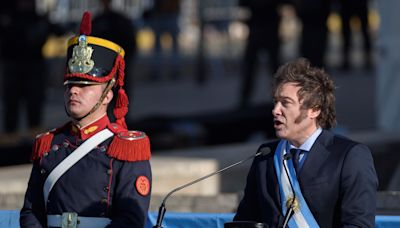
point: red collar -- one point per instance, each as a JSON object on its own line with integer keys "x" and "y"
{"x": 91, "y": 129}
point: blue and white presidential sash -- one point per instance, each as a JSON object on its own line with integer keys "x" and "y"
{"x": 302, "y": 216}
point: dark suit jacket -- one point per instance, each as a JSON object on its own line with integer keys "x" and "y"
{"x": 338, "y": 181}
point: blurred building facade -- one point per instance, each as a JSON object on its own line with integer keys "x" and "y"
{"x": 215, "y": 29}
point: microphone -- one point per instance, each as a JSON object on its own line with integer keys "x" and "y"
{"x": 161, "y": 212}
{"x": 290, "y": 211}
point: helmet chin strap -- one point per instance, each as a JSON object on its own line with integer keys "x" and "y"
{"x": 110, "y": 84}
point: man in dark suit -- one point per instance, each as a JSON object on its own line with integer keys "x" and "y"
{"x": 312, "y": 177}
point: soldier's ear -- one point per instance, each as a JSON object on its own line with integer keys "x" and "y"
{"x": 108, "y": 97}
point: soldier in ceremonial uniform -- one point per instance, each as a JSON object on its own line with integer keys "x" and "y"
{"x": 90, "y": 172}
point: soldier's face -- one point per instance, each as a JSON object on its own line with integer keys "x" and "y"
{"x": 80, "y": 99}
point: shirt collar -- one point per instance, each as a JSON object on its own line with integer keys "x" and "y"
{"x": 90, "y": 129}
{"x": 306, "y": 146}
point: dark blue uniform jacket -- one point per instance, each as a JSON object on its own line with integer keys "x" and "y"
{"x": 101, "y": 184}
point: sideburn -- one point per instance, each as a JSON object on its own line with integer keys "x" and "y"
{"x": 301, "y": 117}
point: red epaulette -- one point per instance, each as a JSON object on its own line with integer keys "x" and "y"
{"x": 129, "y": 145}
{"x": 43, "y": 142}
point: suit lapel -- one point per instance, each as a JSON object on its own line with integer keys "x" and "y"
{"x": 316, "y": 158}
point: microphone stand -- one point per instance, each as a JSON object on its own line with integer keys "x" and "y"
{"x": 162, "y": 209}
{"x": 288, "y": 215}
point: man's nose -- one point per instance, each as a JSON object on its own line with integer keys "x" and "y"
{"x": 276, "y": 109}
{"x": 73, "y": 89}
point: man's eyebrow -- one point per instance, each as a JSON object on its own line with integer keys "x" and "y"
{"x": 283, "y": 98}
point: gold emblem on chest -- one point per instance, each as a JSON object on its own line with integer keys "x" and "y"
{"x": 293, "y": 202}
